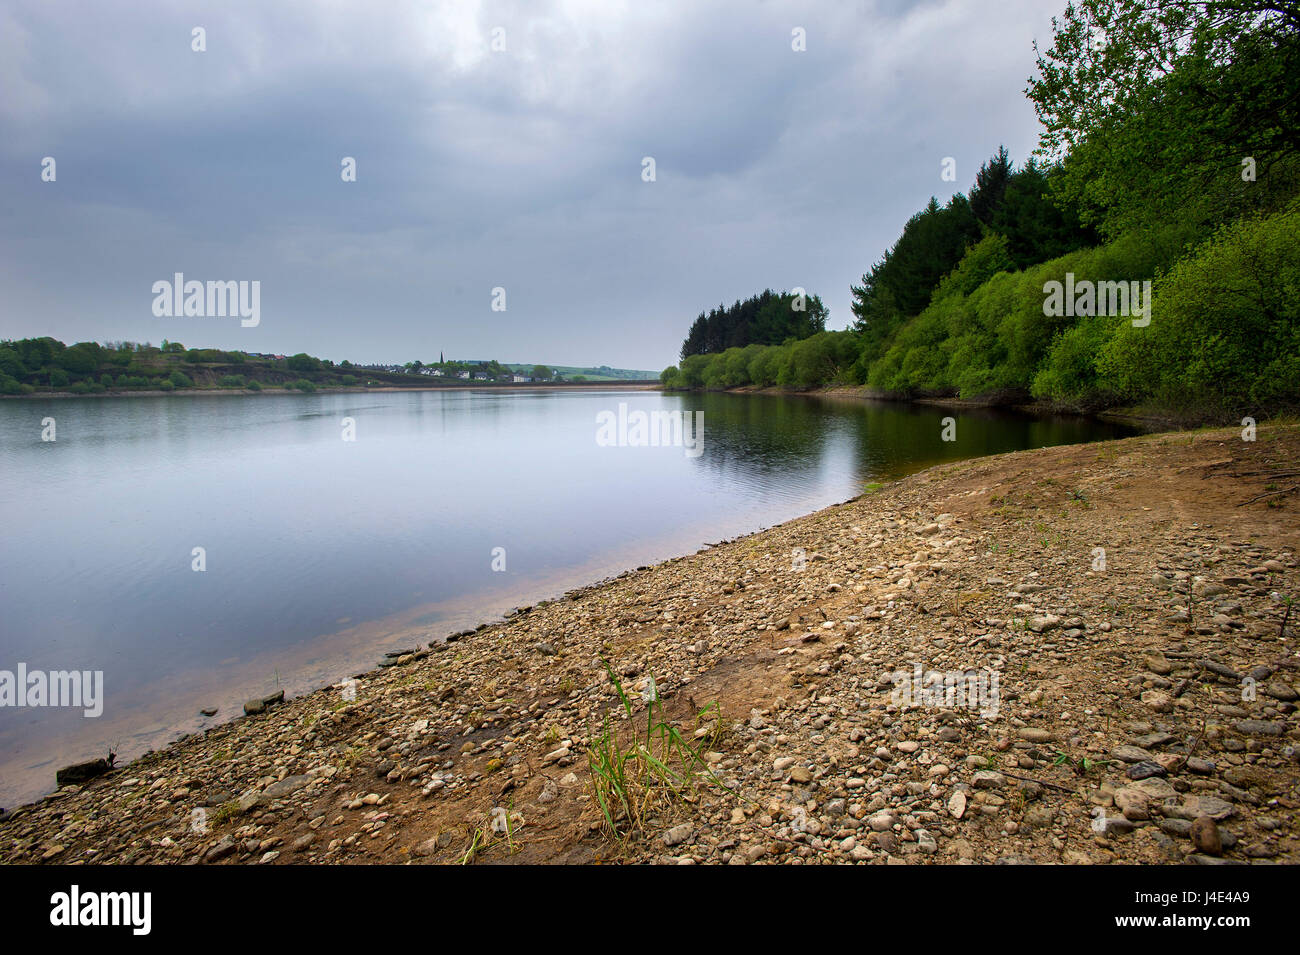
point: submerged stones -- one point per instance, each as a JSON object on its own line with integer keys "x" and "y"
{"x": 82, "y": 772}
{"x": 253, "y": 707}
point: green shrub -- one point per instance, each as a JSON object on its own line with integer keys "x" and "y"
{"x": 691, "y": 372}
{"x": 82, "y": 358}
{"x": 1225, "y": 325}
{"x": 180, "y": 380}
{"x": 11, "y": 363}
{"x": 198, "y": 355}
{"x": 765, "y": 366}
{"x": 1068, "y": 375}
{"x": 982, "y": 261}
{"x": 254, "y": 385}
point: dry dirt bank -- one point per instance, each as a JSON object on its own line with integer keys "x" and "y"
{"x": 1146, "y": 712}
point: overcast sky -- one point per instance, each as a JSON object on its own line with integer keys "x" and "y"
{"x": 477, "y": 169}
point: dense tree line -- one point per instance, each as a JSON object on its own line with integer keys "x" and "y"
{"x": 1013, "y": 203}
{"x": 1170, "y": 154}
{"x": 768, "y": 318}
{"x": 29, "y": 365}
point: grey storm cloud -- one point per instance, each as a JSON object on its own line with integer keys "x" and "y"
{"x": 477, "y": 169}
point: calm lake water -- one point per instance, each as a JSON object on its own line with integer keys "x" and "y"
{"x": 321, "y": 553}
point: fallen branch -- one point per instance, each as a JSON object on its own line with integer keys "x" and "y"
{"x": 1192, "y": 749}
{"x": 1286, "y": 490}
{"x": 1283, "y": 472}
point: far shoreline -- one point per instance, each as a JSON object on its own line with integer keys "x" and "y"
{"x": 631, "y": 385}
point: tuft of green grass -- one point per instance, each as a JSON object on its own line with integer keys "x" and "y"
{"x": 1082, "y": 764}
{"x": 483, "y": 836}
{"x": 224, "y": 813}
{"x": 633, "y": 775}
{"x": 472, "y": 852}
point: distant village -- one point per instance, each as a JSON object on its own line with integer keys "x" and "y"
{"x": 468, "y": 370}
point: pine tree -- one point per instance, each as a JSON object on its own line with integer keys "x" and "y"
{"x": 990, "y": 186}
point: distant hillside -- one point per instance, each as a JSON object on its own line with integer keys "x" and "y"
{"x": 46, "y": 365}
{"x": 602, "y": 373}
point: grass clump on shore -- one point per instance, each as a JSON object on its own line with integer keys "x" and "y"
{"x": 634, "y": 775}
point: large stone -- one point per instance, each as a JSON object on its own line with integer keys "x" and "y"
{"x": 1131, "y": 754}
{"x": 285, "y": 787}
{"x": 1259, "y": 728}
{"x": 1222, "y": 670}
{"x": 81, "y": 772}
{"x": 1158, "y": 700}
{"x": 1145, "y": 770}
{"x": 1249, "y": 777}
{"x": 1157, "y": 664}
{"x": 1207, "y": 805}
{"x": 223, "y": 847}
{"x": 1034, "y": 734}
{"x": 1280, "y": 691}
{"x": 1155, "y": 788}
{"x": 1205, "y": 836}
{"x": 957, "y": 805}
{"x": 881, "y": 821}
{"x": 678, "y": 834}
{"x": 1133, "y": 803}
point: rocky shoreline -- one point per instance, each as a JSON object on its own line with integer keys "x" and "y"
{"x": 1130, "y": 597}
